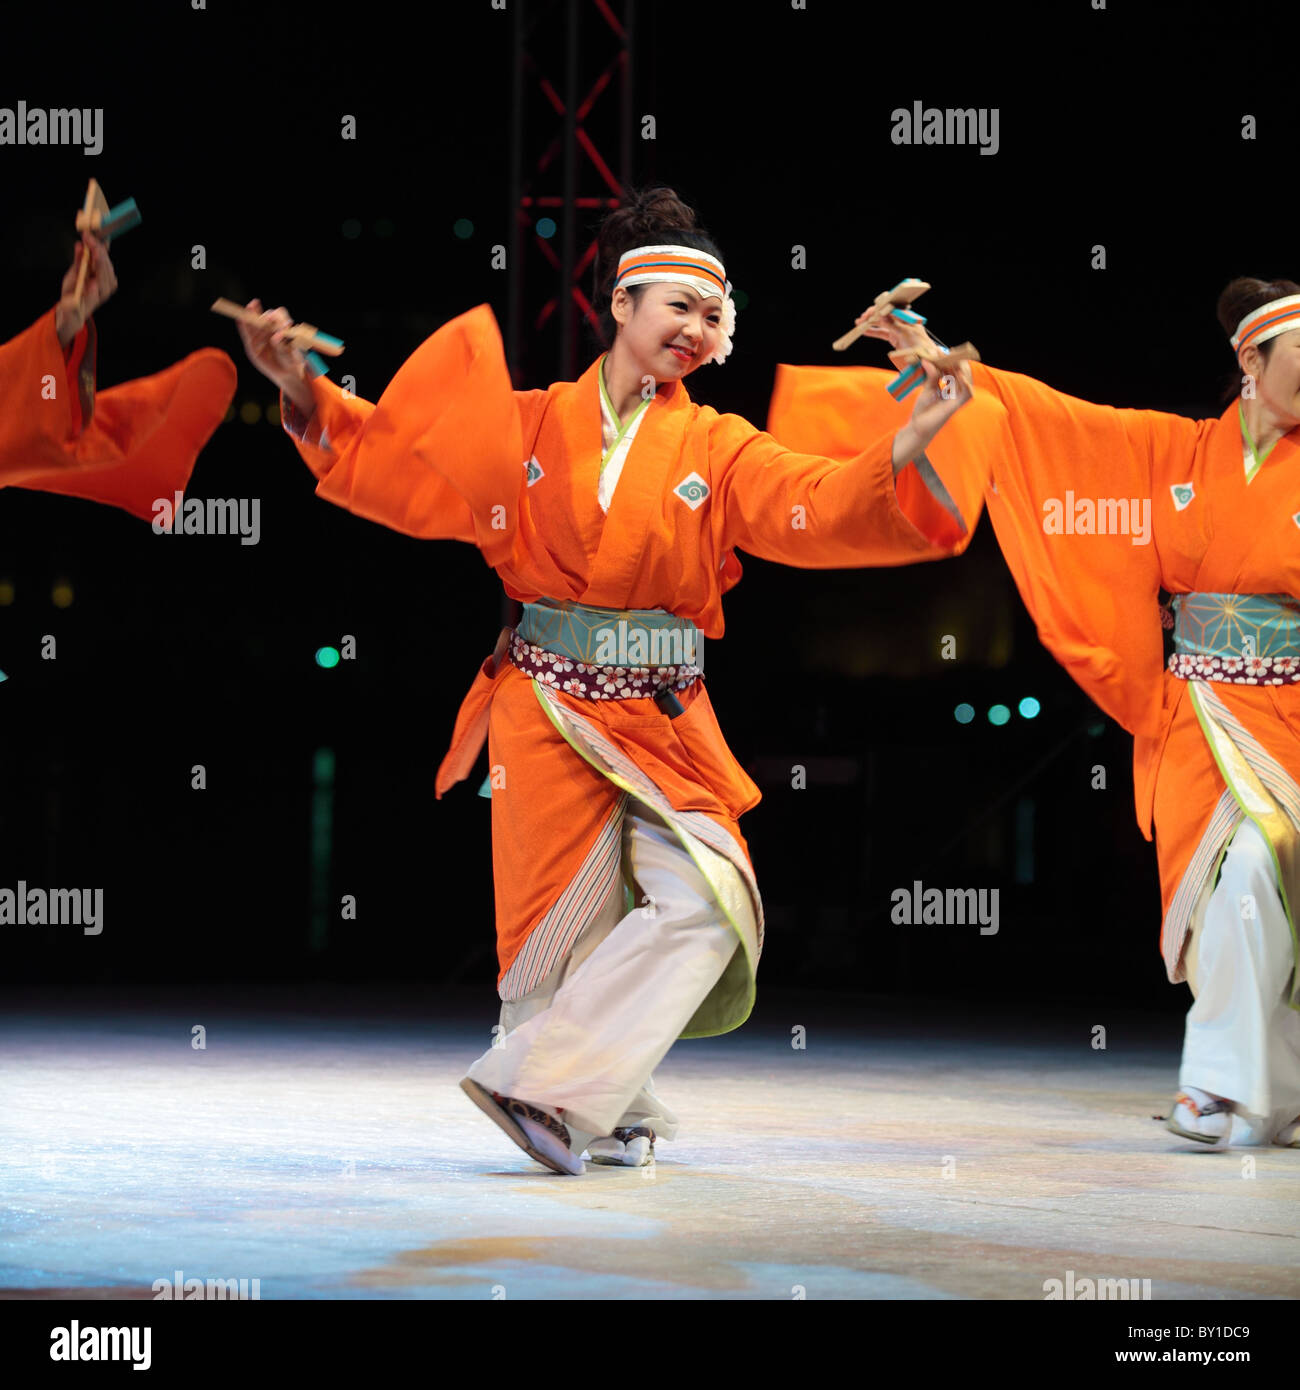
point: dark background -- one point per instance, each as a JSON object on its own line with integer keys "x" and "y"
{"x": 1118, "y": 127}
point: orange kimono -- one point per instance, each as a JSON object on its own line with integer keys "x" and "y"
{"x": 127, "y": 446}
{"x": 1096, "y": 509}
{"x": 452, "y": 451}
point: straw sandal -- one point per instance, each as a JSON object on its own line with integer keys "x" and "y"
{"x": 627, "y": 1147}
{"x": 1186, "y": 1124}
{"x": 539, "y": 1135}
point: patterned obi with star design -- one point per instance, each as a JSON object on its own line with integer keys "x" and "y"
{"x": 1244, "y": 639}
{"x": 606, "y": 653}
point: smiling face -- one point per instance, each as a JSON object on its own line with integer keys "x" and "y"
{"x": 670, "y": 331}
{"x": 1277, "y": 381}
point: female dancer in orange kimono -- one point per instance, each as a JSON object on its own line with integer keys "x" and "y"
{"x": 612, "y": 508}
{"x": 127, "y": 446}
{"x": 1096, "y": 510}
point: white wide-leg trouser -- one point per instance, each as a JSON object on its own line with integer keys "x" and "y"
{"x": 584, "y": 1043}
{"x": 1241, "y": 1039}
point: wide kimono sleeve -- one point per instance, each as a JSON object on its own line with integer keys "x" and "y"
{"x": 819, "y": 492}
{"x": 832, "y": 410}
{"x": 439, "y": 456}
{"x": 1056, "y": 469}
{"x": 128, "y": 446}
{"x": 1072, "y": 503}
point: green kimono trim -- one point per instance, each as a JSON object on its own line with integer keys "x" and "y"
{"x": 731, "y": 1000}
{"x": 623, "y": 427}
{"x": 1294, "y": 1001}
{"x": 1257, "y": 459}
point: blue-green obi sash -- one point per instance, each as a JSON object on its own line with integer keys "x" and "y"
{"x": 611, "y": 636}
{"x": 1240, "y": 626}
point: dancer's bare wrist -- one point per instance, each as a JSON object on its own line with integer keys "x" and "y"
{"x": 909, "y": 444}
{"x": 300, "y": 393}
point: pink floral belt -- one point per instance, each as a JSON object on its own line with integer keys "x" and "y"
{"x": 1237, "y": 670}
{"x": 590, "y": 682}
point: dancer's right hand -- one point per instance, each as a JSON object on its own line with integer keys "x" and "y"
{"x": 273, "y": 356}
{"x": 265, "y": 345}
{"x": 101, "y": 281}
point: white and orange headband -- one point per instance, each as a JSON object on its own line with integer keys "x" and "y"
{"x": 1277, "y": 316}
{"x": 683, "y": 265}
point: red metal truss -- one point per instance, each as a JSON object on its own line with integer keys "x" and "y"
{"x": 547, "y": 62}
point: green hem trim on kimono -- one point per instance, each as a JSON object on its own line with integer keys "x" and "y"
{"x": 713, "y": 1017}
{"x": 1234, "y": 786}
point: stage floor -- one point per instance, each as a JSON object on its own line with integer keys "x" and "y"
{"x": 903, "y": 1153}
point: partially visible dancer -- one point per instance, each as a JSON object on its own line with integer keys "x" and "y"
{"x": 126, "y": 447}
{"x": 1096, "y": 510}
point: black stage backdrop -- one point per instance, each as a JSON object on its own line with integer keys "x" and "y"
{"x": 1119, "y": 128}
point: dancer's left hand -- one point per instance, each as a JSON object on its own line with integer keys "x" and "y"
{"x": 939, "y": 399}
{"x": 894, "y": 331}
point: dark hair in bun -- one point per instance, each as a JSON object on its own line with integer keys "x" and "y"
{"x": 1241, "y": 297}
{"x": 650, "y": 217}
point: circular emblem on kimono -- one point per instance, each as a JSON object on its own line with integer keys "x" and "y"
{"x": 1183, "y": 494}
{"x": 692, "y": 490}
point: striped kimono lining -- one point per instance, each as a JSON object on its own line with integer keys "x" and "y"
{"x": 701, "y": 826}
{"x": 1224, "y": 820}
{"x": 553, "y": 936}
{"x": 1266, "y": 767}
